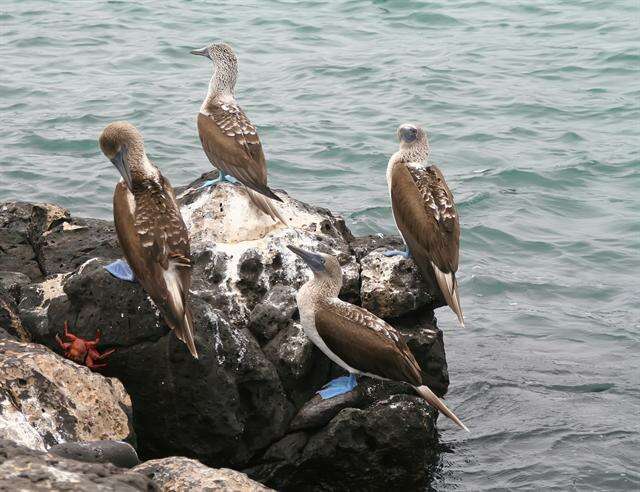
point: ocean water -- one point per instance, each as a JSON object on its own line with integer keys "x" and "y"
{"x": 533, "y": 112}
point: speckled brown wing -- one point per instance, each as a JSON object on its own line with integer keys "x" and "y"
{"x": 365, "y": 342}
{"x": 425, "y": 213}
{"x": 426, "y": 216}
{"x": 155, "y": 242}
{"x": 232, "y": 144}
{"x": 159, "y": 224}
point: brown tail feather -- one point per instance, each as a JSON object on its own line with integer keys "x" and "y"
{"x": 266, "y": 205}
{"x": 184, "y": 331}
{"x": 437, "y": 403}
{"x": 449, "y": 288}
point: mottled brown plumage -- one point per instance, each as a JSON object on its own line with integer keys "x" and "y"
{"x": 365, "y": 342}
{"x": 150, "y": 229}
{"x": 426, "y": 216}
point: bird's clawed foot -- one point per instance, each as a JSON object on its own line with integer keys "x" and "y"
{"x": 397, "y": 252}
{"x": 338, "y": 386}
{"x": 221, "y": 178}
{"x": 121, "y": 270}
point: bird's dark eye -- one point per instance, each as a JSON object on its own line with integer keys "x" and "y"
{"x": 410, "y": 134}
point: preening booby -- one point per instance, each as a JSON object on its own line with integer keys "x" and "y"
{"x": 228, "y": 137}
{"x": 352, "y": 337}
{"x": 425, "y": 214}
{"x": 150, "y": 229}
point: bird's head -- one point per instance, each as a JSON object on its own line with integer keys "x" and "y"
{"x": 120, "y": 141}
{"x": 221, "y": 54}
{"x": 322, "y": 265}
{"x": 413, "y": 139}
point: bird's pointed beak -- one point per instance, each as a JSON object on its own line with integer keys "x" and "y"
{"x": 436, "y": 402}
{"x": 121, "y": 165}
{"x": 314, "y": 260}
{"x": 202, "y": 52}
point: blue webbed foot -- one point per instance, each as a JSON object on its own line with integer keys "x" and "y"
{"x": 221, "y": 177}
{"x": 121, "y": 270}
{"x": 338, "y": 386}
{"x": 396, "y": 252}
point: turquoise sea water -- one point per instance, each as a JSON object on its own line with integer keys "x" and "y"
{"x": 533, "y": 110}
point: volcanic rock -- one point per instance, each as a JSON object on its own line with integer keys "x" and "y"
{"x": 46, "y": 400}
{"x": 25, "y": 469}
{"x": 177, "y": 474}
{"x": 118, "y": 453}
{"x": 249, "y": 400}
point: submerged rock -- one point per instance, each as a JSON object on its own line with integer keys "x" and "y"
{"x": 184, "y": 475}
{"x": 46, "y": 400}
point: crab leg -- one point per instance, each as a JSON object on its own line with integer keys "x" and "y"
{"x": 64, "y": 346}
{"x": 95, "y": 341}
{"x": 68, "y": 335}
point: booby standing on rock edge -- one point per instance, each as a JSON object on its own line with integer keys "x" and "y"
{"x": 352, "y": 337}
{"x": 150, "y": 229}
{"x": 228, "y": 137}
{"x": 425, "y": 214}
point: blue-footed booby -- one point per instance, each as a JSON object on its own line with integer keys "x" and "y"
{"x": 425, "y": 214}
{"x": 150, "y": 229}
{"x": 354, "y": 338}
{"x": 228, "y": 137}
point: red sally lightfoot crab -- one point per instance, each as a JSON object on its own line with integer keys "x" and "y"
{"x": 83, "y": 351}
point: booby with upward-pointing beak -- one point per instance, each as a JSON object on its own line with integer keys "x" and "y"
{"x": 150, "y": 229}
{"x": 425, "y": 214}
{"x": 352, "y": 337}
{"x": 228, "y": 137}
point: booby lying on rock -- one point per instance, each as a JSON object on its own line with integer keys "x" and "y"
{"x": 150, "y": 229}
{"x": 228, "y": 137}
{"x": 425, "y": 214}
{"x": 352, "y": 337}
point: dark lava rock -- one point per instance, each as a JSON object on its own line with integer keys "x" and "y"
{"x": 117, "y": 453}
{"x": 16, "y": 251}
{"x": 10, "y": 322}
{"x": 70, "y": 243}
{"x": 26, "y": 469}
{"x": 390, "y": 444}
{"x": 273, "y": 313}
{"x": 13, "y": 282}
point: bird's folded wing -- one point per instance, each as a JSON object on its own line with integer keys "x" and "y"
{"x": 365, "y": 342}
{"x": 232, "y": 144}
{"x": 158, "y": 223}
{"x": 425, "y": 213}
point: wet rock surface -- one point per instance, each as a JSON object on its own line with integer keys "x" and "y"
{"x": 248, "y": 401}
